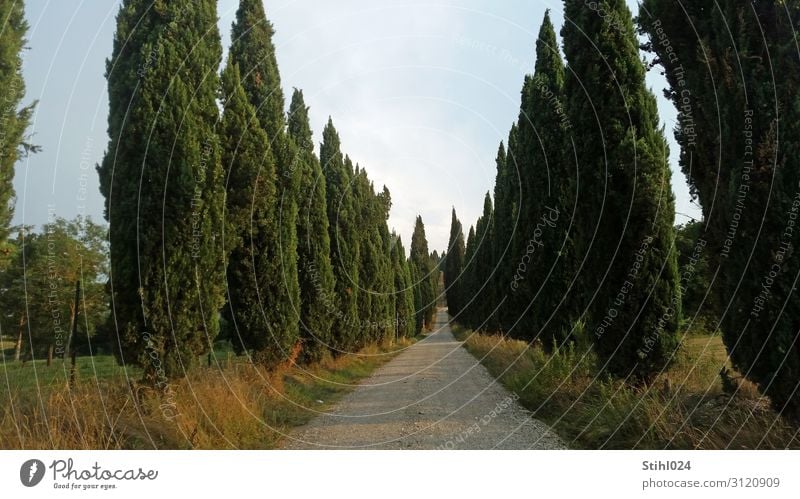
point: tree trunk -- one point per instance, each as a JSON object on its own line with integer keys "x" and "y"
{"x": 72, "y": 369}
{"x": 18, "y": 346}
{"x": 50, "y": 355}
{"x": 74, "y": 312}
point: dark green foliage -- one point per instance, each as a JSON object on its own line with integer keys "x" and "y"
{"x": 163, "y": 184}
{"x": 454, "y": 267}
{"x": 385, "y": 303}
{"x": 367, "y": 257}
{"x": 253, "y": 51}
{"x": 505, "y": 231}
{"x": 343, "y": 238}
{"x": 13, "y": 121}
{"x": 361, "y": 251}
{"x": 403, "y": 290}
{"x": 524, "y": 265}
{"x": 254, "y": 274}
{"x": 733, "y": 72}
{"x": 629, "y": 283}
{"x": 315, "y": 272}
{"x": 375, "y": 306}
{"x": 468, "y": 282}
{"x": 423, "y": 274}
{"x": 483, "y": 309}
{"x": 476, "y": 292}
{"x": 541, "y": 247}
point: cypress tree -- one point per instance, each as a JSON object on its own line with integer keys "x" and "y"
{"x": 734, "y": 82}
{"x": 315, "y": 271}
{"x": 484, "y": 316}
{"x": 383, "y": 302}
{"x": 253, "y": 51}
{"x": 468, "y": 288}
{"x": 254, "y": 271}
{"x": 507, "y": 203}
{"x": 626, "y": 205}
{"x": 422, "y": 271}
{"x": 511, "y": 167}
{"x": 542, "y": 252}
{"x": 162, "y": 180}
{"x": 454, "y": 266}
{"x": 343, "y": 238}
{"x": 403, "y": 287}
{"x": 13, "y": 122}
{"x": 386, "y": 305}
{"x": 368, "y": 265}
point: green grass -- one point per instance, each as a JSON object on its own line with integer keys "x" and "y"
{"x": 36, "y": 376}
{"x": 684, "y": 408}
{"x": 16, "y": 377}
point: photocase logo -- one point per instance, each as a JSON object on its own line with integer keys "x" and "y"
{"x": 31, "y": 472}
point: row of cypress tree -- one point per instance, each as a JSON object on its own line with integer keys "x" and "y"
{"x": 577, "y": 243}
{"x": 733, "y": 70}
{"x": 227, "y": 219}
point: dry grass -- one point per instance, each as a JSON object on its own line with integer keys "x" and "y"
{"x": 234, "y": 406}
{"x": 685, "y": 408}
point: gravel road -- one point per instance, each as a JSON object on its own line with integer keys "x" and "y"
{"x": 434, "y": 395}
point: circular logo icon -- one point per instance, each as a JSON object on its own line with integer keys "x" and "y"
{"x": 31, "y": 472}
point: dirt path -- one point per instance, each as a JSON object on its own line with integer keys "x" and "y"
{"x": 435, "y": 395}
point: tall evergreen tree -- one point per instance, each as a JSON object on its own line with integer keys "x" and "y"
{"x": 468, "y": 287}
{"x": 253, "y": 51}
{"x": 163, "y": 184}
{"x": 507, "y": 202}
{"x": 315, "y": 271}
{"x": 343, "y": 238}
{"x": 385, "y": 286}
{"x": 454, "y": 266}
{"x": 254, "y": 270}
{"x": 484, "y": 315}
{"x": 13, "y": 121}
{"x": 542, "y": 252}
{"x": 733, "y": 73}
{"x": 509, "y": 241}
{"x": 403, "y": 288}
{"x": 626, "y": 205}
{"x": 422, "y": 271}
{"x": 368, "y": 256}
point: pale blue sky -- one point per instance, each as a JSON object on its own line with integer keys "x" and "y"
{"x": 421, "y": 91}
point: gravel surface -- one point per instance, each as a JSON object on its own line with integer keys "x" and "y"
{"x": 434, "y": 395}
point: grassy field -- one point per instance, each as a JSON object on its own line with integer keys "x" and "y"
{"x": 233, "y": 405}
{"x": 685, "y": 408}
{"x": 17, "y": 378}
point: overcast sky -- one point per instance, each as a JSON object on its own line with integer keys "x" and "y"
{"x": 421, "y": 92}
